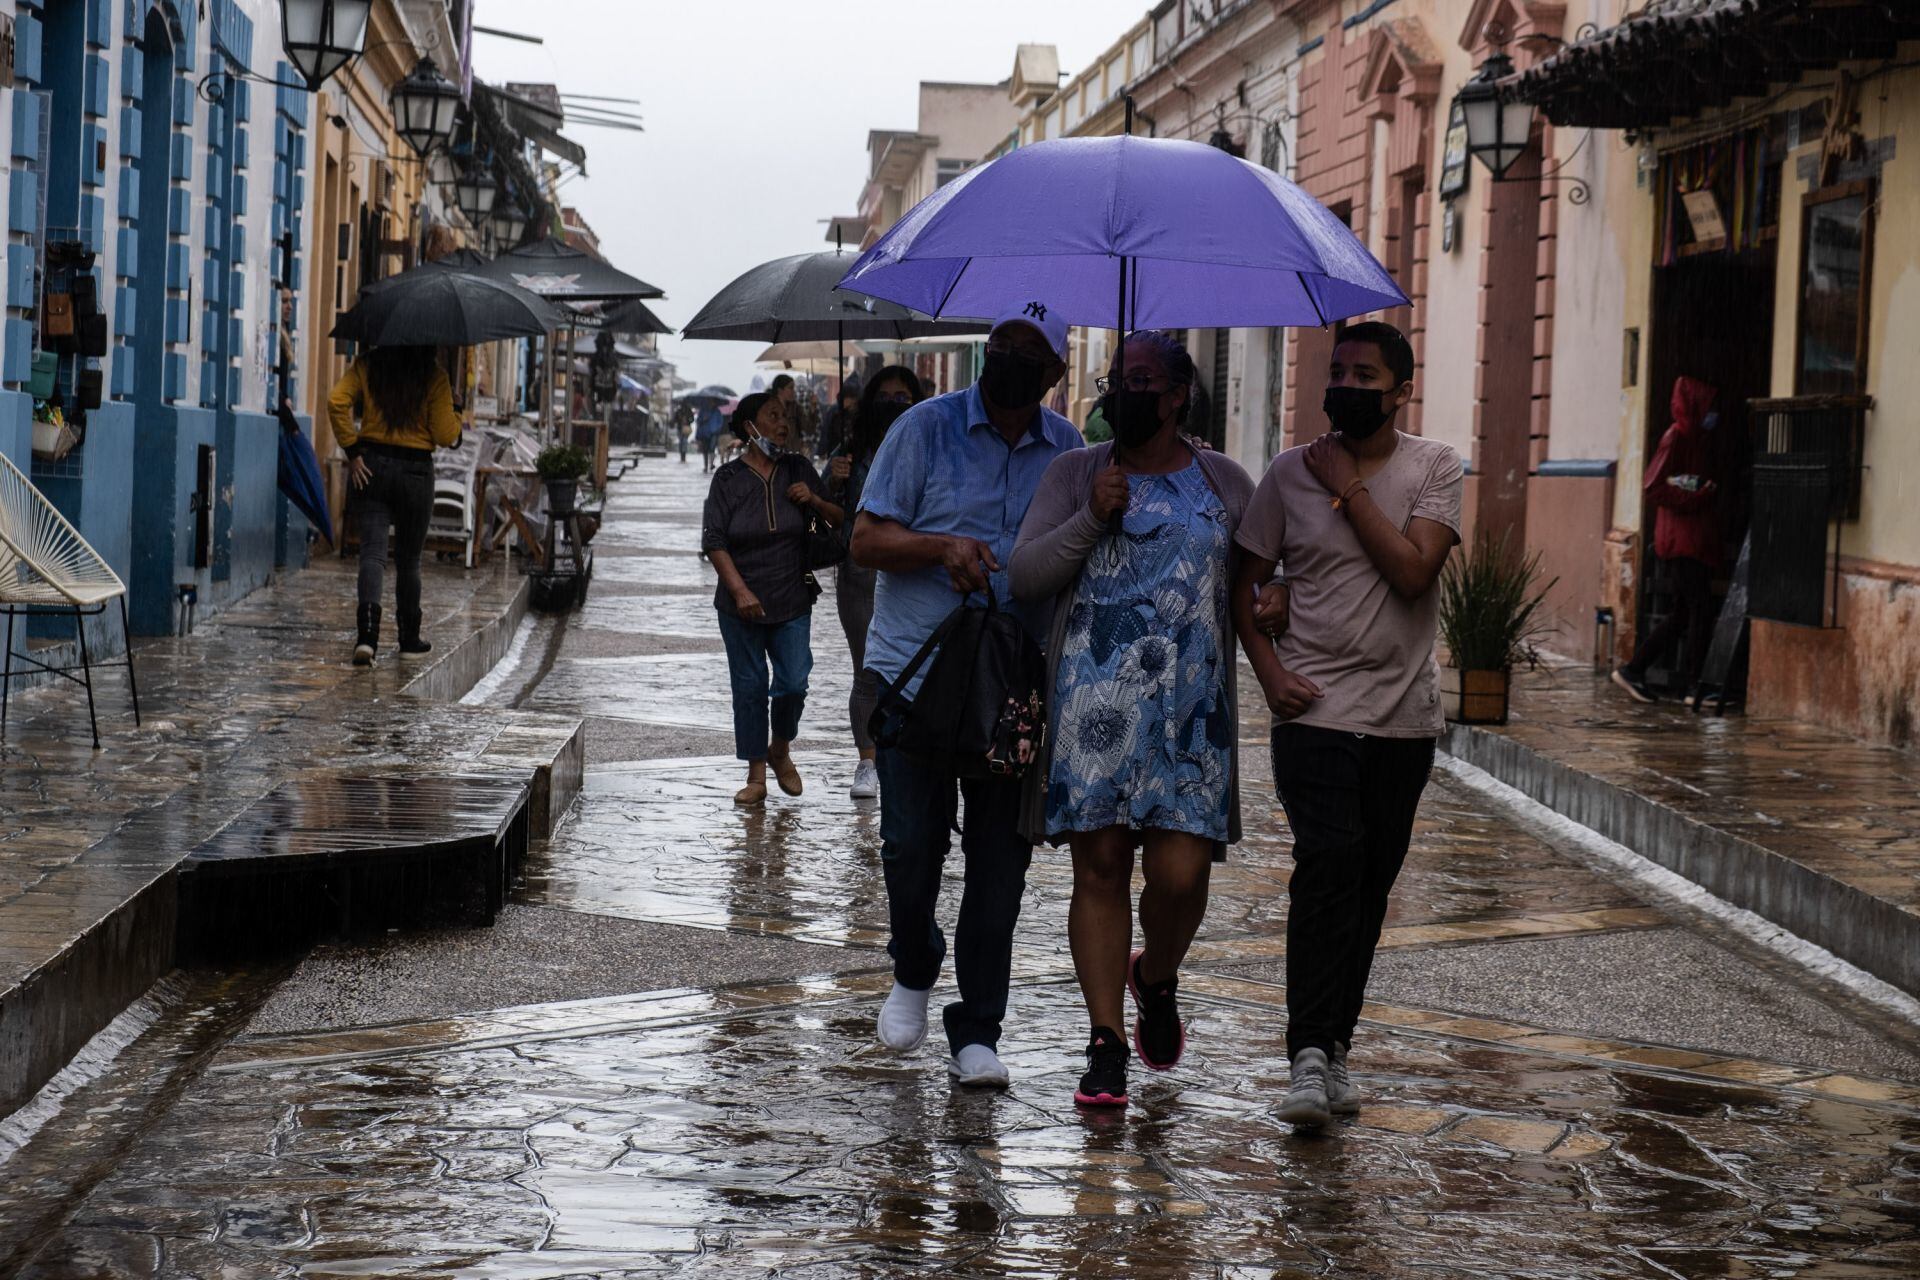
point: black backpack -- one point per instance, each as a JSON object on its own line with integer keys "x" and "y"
{"x": 981, "y": 711}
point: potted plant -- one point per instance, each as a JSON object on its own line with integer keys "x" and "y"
{"x": 560, "y": 467}
{"x": 1489, "y": 617}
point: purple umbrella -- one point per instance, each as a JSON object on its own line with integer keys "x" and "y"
{"x": 1205, "y": 240}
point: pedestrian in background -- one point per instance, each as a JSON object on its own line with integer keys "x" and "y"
{"x": 891, "y": 393}
{"x": 754, "y": 531}
{"x": 1686, "y": 537}
{"x": 1363, "y": 519}
{"x": 939, "y": 514}
{"x": 404, "y": 405}
{"x": 713, "y": 425}
{"x": 1131, "y": 545}
{"x": 837, "y": 427}
{"x": 683, "y": 428}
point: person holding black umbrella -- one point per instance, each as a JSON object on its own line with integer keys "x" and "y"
{"x": 404, "y": 403}
{"x": 755, "y": 533}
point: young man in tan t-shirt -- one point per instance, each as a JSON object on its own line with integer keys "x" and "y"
{"x": 1361, "y": 521}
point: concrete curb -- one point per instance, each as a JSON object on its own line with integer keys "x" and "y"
{"x": 1866, "y": 931}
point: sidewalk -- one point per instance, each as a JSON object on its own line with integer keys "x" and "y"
{"x": 1817, "y": 832}
{"x": 92, "y": 842}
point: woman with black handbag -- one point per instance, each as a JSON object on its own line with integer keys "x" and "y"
{"x": 888, "y": 394}
{"x": 765, "y": 529}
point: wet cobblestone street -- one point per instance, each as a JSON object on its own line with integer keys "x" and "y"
{"x": 1674, "y": 1102}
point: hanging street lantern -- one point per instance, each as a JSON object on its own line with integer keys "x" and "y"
{"x": 443, "y": 171}
{"x": 425, "y": 107}
{"x": 509, "y": 222}
{"x": 475, "y": 193}
{"x": 321, "y": 36}
{"x": 1498, "y": 128}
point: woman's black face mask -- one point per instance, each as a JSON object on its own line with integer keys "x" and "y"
{"x": 873, "y": 425}
{"x": 1133, "y": 415}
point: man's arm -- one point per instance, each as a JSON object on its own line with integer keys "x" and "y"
{"x": 891, "y": 547}
{"x": 1410, "y": 561}
{"x": 1287, "y": 695}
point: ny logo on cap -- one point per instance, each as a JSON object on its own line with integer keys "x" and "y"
{"x": 1036, "y": 310}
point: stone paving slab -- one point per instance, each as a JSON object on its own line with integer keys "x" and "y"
{"x": 89, "y": 840}
{"x": 749, "y": 1130}
{"x": 1815, "y": 831}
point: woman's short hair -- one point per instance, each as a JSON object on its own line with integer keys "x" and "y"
{"x": 747, "y": 410}
{"x": 1173, "y": 357}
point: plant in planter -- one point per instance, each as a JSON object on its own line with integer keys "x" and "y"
{"x": 560, "y": 467}
{"x": 1489, "y": 618}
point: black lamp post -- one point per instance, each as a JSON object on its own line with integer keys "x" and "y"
{"x": 1498, "y": 127}
{"x": 425, "y": 107}
{"x": 475, "y": 193}
{"x": 321, "y": 36}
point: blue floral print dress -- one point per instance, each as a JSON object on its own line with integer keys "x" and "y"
{"x": 1141, "y": 732}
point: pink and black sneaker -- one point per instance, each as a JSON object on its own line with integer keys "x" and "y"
{"x": 1159, "y": 1037}
{"x": 1105, "y": 1084}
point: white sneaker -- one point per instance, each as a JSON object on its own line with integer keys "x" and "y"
{"x": 1306, "y": 1102}
{"x": 979, "y": 1067}
{"x": 866, "y": 782}
{"x": 1342, "y": 1098}
{"x": 903, "y": 1019}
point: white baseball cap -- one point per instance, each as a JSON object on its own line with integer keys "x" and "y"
{"x": 1040, "y": 318}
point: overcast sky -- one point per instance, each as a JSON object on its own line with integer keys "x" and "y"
{"x": 756, "y": 116}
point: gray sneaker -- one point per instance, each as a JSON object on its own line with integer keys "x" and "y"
{"x": 1342, "y": 1098}
{"x": 1305, "y": 1105}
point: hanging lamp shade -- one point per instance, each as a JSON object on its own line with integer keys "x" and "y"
{"x": 475, "y": 194}
{"x": 321, "y": 36}
{"x": 509, "y": 222}
{"x": 425, "y": 106}
{"x": 1497, "y": 128}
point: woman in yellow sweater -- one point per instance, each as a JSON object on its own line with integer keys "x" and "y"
{"x": 405, "y": 408}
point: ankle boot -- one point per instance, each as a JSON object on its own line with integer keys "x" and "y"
{"x": 368, "y": 639}
{"x": 410, "y": 641}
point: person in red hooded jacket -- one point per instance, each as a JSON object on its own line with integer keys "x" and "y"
{"x": 1686, "y": 536}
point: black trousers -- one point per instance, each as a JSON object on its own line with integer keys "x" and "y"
{"x": 1690, "y": 619}
{"x": 1350, "y": 799}
{"x": 400, "y": 497}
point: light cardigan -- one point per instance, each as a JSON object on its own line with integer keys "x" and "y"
{"x": 1060, "y": 531}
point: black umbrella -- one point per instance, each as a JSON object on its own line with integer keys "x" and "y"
{"x": 714, "y": 394}
{"x": 439, "y": 308}
{"x": 555, "y": 269}
{"x": 459, "y": 260}
{"x": 795, "y": 300}
{"x": 634, "y": 317}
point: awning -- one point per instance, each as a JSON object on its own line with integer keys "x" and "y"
{"x": 1693, "y": 56}
{"x": 536, "y": 122}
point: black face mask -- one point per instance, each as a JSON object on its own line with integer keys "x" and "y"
{"x": 1356, "y": 412}
{"x": 1133, "y": 415}
{"x": 872, "y": 426}
{"x": 1012, "y": 383}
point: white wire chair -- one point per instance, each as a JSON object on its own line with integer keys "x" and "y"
{"x": 46, "y": 567}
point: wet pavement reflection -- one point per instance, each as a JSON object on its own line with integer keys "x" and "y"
{"x": 760, "y": 1130}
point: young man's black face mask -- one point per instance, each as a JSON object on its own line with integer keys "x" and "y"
{"x": 1356, "y": 412}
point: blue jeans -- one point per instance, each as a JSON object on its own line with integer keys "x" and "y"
{"x": 918, "y": 806}
{"x": 750, "y": 646}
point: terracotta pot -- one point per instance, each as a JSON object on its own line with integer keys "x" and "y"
{"x": 1474, "y": 697}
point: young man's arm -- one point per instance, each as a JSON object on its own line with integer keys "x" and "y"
{"x": 1410, "y": 561}
{"x": 1287, "y": 694}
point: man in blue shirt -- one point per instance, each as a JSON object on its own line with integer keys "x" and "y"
{"x": 938, "y": 518}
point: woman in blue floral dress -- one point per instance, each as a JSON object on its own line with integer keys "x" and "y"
{"x": 1133, "y": 543}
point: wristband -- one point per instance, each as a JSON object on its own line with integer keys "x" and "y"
{"x": 1340, "y": 502}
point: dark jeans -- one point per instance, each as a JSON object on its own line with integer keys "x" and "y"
{"x": 750, "y": 647}
{"x": 399, "y": 496}
{"x": 853, "y": 597}
{"x": 1350, "y": 799}
{"x": 917, "y": 809}
{"x": 1690, "y": 619}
